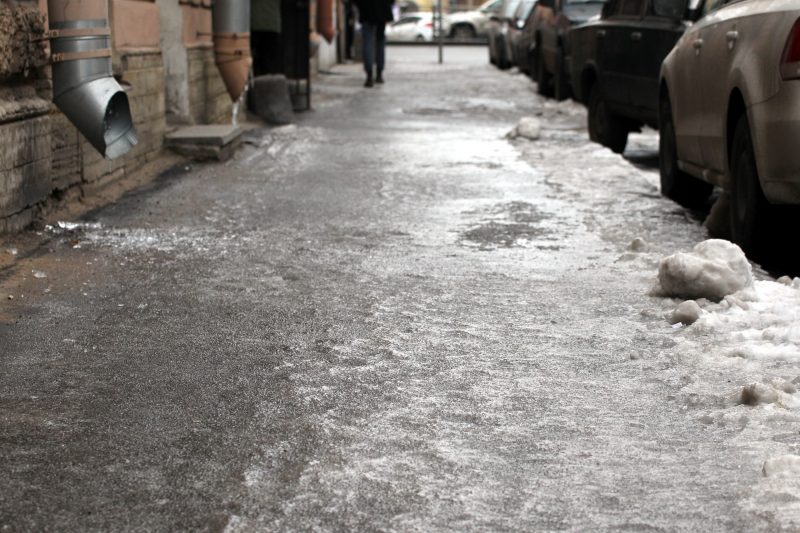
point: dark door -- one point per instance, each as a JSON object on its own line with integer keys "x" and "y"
{"x": 295, "y": 29}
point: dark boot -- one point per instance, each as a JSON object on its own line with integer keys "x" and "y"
{"x": 379, "y": 79}
{"x": 368, "y": 83}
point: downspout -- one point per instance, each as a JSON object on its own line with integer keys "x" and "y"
{"x": 231, "y": 27}
{"x": 84, "y": 88}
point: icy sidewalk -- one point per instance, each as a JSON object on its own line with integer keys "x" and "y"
{"x": 737, "y": 339}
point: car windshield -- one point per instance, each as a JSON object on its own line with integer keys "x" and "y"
{"x": 525, "y": 9}
{"x": 509, "y": 6}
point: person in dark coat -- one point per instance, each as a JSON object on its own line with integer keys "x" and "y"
{"x": 373, "y": 15}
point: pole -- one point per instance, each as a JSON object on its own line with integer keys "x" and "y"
{"x": 440, "y": 25}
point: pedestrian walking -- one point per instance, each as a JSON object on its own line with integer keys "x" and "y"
{"x": 373, "y": 15}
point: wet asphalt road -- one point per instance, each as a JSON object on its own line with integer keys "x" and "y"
{"x": 387, "y": 317}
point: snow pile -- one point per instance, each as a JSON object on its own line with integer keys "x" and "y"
{"x": 740, "y": 359}
{"x": 713, "y": 269}
{"x": 528, "y": 128}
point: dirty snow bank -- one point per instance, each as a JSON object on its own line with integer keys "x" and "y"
{"x": 739, "y": 346}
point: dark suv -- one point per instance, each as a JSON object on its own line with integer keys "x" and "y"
{"x": 615, "y": 64}
{"x": 551, "y": 20}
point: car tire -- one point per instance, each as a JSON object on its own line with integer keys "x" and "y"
{"x": 502, "y": 61}
{"x": 542, "y": 76}
{"x": 750, "y": 218}
{"x": 463, "y": 32}
{"x": 561, "y": 90}
{"x": 419, "y": 38}
{"x": 605, "y": 127}
{"x": 676, "y": 184}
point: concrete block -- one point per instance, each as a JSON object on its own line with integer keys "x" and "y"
{"x": 206, "y": 142}
{"x": 269, "y": 99}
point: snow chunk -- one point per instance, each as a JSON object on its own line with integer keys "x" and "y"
{"x": 527, "y": 127}
{"x": 686, "y": 313}
{"x": 777, "y": 392}
{"x": 758, "y": 393}
{"x": 785, "y": 465}
{"x": 638, "y": 245}
{"x": 713, "y": 269}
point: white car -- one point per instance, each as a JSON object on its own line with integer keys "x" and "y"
{"x": 466, "y": 25}
{"x": 413, "y": 27}
{"x": 730, "y": 112}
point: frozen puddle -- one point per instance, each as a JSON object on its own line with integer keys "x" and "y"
{"x": 511, "y": 225}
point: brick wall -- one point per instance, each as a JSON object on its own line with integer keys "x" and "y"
{"x": 209, "y": 102}
{"x": 25, "y": 147}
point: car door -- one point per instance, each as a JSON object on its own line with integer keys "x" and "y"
{"x": 615, "y": 56}
{"x": 685, "y": 98}
{"x": 655, "y": 37}
{"x": 719, "y": 40}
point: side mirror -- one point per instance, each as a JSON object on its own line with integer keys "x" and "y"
{"x": 670, "y": 9}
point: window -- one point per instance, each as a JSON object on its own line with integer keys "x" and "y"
{"x": 630, "y": 8}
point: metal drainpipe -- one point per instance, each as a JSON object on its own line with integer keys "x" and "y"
{"x": 83, "y": 86}
{"x": 231, "y": 27}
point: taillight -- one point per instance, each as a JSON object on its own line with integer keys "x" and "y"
{"x": 790, "y": 60}
{"x": 429, "y": 24}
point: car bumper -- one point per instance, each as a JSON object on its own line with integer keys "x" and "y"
{"x": 775, "y": 126}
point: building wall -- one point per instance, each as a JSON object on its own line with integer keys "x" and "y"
{"x": 25, "y": 125}
{"x": 42, "y": 156}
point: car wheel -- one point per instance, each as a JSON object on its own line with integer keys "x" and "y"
{"x": 491, "y": 53}
{"x": 463, "y": 32}
{"x": 562, "y": 88}
{"x": 605, "y": 127}
{"x": 676, "y": 184}
{"x": 542, "y": 76}
{"x": 749, "y": 210}
{"x": 502, "y": 60}
{"x": 420, "y": 38}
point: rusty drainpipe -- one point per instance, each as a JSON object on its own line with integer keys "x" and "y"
{"x": 231, "y": 27}
{"x": 84, "y": 88}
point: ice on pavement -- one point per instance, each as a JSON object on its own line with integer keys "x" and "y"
{"x": 713, "y": 269}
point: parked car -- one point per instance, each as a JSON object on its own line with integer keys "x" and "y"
{"x": 552, "y": 19}
{"x": 615, "y": 63}
{"x": 730, "y": 112}
{"x": 471, "y": 24}
{"x": 499, "y": 54}
{"x": 416, "y": 27}
{"x": 519, "y": 41}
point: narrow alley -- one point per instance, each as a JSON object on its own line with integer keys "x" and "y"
{"x": 389, "y": 316}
